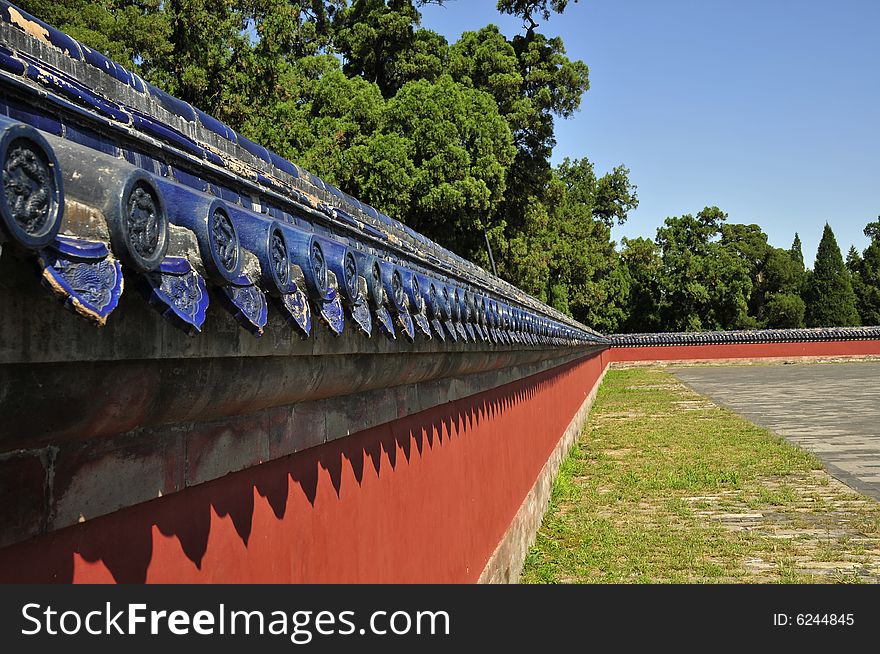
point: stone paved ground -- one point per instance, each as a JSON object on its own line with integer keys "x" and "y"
{"x": 826, "y": 531}
{"x": 830, "y": 409}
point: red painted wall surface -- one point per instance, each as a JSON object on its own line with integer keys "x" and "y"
{"x": 422, "y": 499}
{"x": 745, "y": 351}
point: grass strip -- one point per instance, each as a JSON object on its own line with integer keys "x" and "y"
{"x": 666, "y": 487}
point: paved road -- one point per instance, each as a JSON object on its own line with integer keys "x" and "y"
{"x": 831, "y": 409}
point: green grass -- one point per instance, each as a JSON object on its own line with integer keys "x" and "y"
{"x": 662, "y": 487}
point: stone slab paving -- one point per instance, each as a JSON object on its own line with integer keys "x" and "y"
{"x": 830, "y": 409}
{"x": 826, "y": 531}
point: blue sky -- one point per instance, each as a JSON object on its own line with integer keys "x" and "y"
{"x": 769, "y": 110}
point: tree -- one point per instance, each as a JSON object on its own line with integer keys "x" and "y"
{"x": 532, "y": 81}
{"x": 796, "y": 251}
{"x": 210, "y": 60}
{"x": 125, "y": 31}
{"x": 460, "y": 149}
{"x": 528, "y": 9}
{"x": 749, "y": 242}
{"x": 232, "y": 58}
{"x": 486, "y": 60}
{"x": 853, "y": 261}
{"x": 564, "y": 254}
{"x": 776, "y": 277}
{"x": 641, "y": 261}
{"x": 553, "y": 85}
{"x": 527, "y": 253}
{"x": 784, "y": 311}
{"x": 796, "y": 254}
{"x": 703, "y": 285}
{"x": 780, "y": 287}
{"x": 615, "y": 197}
{"x": 585, "y": 277}
{"x": 322, "y": 120}
{"x": 380, "y": 41}
{"x": 829, "y": 297}
{"x": 454, "y": 140}
{"x": 865, "y": 270}
{"x": 226, "y": 57}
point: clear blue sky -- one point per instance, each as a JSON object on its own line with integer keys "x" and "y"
{"x": 768, "y": 109}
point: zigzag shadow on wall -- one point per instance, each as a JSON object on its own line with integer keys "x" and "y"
{"x": 124, "y": 542}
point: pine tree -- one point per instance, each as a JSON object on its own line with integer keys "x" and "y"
{"x": 853, "y": 262}
{"x": 866, "y": 277}
{"x": 796, "y": 254}
{"x": 829, "y": 294}
{"x": 796, "y": 251}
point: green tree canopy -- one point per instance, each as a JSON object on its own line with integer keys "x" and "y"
{"x": 528, "y": 10}
{"x": 703, "y": 284}
{"x": 460, "y": 148}
{"x": 453, "y": 139}
{"x": 641, "y": 260}
{"x": 381, "y": 41}
{"x": 865, "y": 270}
{"x": 586, "y": 277}
{"x": 797, "y": 252}
{"x": 829, "y": 297}
{"x": 776, "y": 278}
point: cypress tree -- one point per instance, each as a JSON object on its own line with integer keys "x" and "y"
{"x": 796, "y": 252}
{"x": 866, "y": 278}
{"x": 829, "y": 295}
{"x": 853, "y": 261}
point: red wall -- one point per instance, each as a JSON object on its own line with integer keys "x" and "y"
{"x": 745, "y": 351}
{"x": 422, "y": 499}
